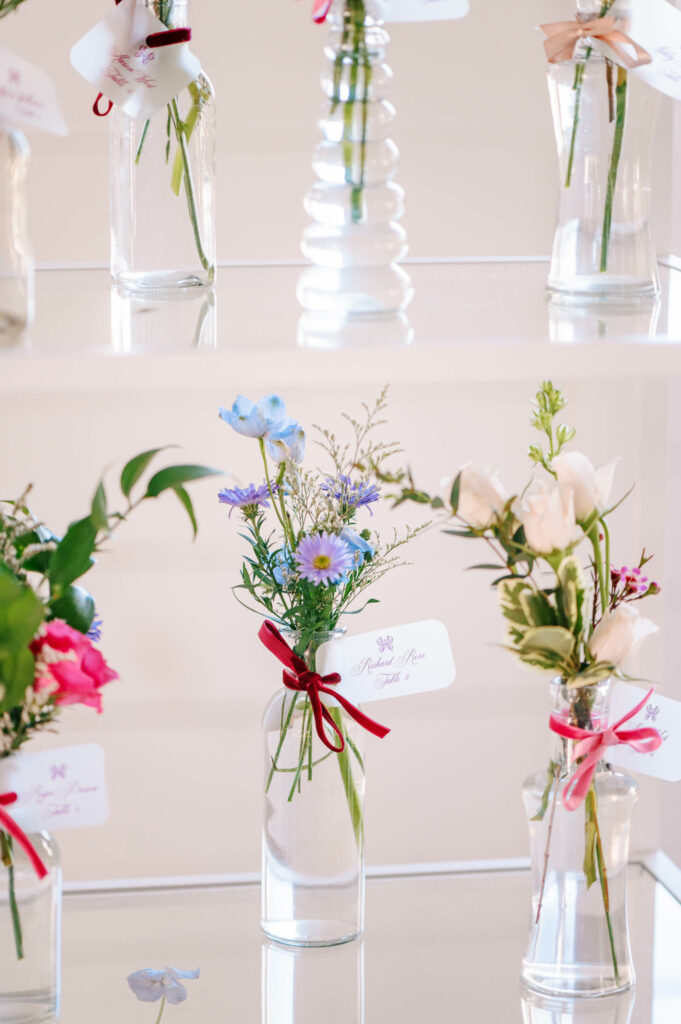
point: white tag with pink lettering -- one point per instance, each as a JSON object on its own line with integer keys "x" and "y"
{"x": 422, "y": 10}
{"x": 115, "y": 58}
{"x": 390, "y": 662}
{"x": 27, "y": 96}
{"x": 661, "y": 713}
{"x": 56, "y": 789}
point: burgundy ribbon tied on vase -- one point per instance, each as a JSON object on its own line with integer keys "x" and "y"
{"x": 563, "y": 37}
{"x": 592, "y": 746}
{"x": 298, "y": 677}
{"x": 9, "y": 825}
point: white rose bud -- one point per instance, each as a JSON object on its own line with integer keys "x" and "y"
{"x": 481, "y": 496}
{"x": 547, "y": 512}
{"x": 591, "y": 487}
{"x": 619, "y": 633}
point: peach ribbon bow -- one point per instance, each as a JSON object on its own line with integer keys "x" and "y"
{"x": 563, "y": 36}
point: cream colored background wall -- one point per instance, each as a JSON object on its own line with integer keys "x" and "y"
{"x": 181, "y": 728}
{"x": 473, "y": 129}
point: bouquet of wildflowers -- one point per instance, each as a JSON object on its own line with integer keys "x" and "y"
{"x": 309, "y": 557}
{"x": 575, "y": 618}
{"x": 49, "y": 627}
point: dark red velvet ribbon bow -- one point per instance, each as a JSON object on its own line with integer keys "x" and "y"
{"x": 9, "y": 825}
{"x": 298, "y": 677}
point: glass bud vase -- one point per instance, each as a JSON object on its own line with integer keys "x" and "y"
{"x": 30, "y": 918}
{"x": 604, "y": 119}
{"x": 355, "y": 239}
{"x": 313, "y": 823}
{"x": 579, "y": 939}
{"x": 16, "y": 257}
{"x": 163, "y": 186}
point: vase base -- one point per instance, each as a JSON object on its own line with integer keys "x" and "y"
{"x": 160, "y": 282}
{"x": 28, "y": 1009}
{"x": 579, "y": 982}
{"x": 310, "y": 933}
{"x": 606, "y": 288}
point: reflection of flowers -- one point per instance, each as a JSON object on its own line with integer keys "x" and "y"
{"x": 323, "y": 558}
{"x": 151, "y": 985}
{"x": 69, "y": 666}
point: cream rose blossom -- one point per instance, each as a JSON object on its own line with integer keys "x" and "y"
{"x": 591, "y": 487}
{"x": 619, "y": 634}
{"x": 547, "y": 512}
{"x": 481, "y": 495}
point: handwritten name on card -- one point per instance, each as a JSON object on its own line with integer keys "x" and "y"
{"x": 57, "y": 789}
{"x": 390, "y": 662}
{"x": 115, "y": 58}
{"x": 660, "y": 713}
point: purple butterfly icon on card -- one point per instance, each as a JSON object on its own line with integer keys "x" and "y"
{"x": 652, "y": 711}
{"x": 385, "y": 643}
{"x": 58, "y": 771}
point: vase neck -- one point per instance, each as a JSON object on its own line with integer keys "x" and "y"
{"x": 353, "y": 12}
{"x": 306, "y": 646}
{"x": 587, "y": 707}
{"x": 173, "y": 13}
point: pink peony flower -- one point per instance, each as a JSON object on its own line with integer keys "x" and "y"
{"x": 69, "y": 666}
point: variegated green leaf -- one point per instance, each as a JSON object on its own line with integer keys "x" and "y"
{"x": 552, "y": 639}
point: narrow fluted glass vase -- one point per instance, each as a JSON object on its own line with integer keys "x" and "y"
{"x": 604, "y": 119}
{"x": 579, "y": 937}
{"x": 313, "y": 821}
{"x": 163, "y": 186}
{"x": 30, "y": 933}
{"x": 354, "y": 242}
{"x": 16, "y": 256}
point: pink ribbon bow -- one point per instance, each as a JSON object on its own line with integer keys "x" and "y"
{"x": 563, "y": 37}
{"x": 9, "y": 825}
{"x": 592, "y": 746}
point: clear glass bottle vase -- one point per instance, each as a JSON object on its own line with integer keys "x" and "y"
{"x": 30, "y": 932}
{"x": 313, "y": 821}
{"x": 16, "y": 256}
{"x": 579, "y": 938}
{"x": 604, "y": 120}
{"x": 163, "y": 186}
{"x": 354, "y": 242}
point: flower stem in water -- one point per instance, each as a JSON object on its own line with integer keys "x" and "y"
{"x": 8, "y": 861}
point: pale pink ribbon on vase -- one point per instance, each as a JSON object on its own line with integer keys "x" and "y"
{"x": 563, "y": 37}
{"x": 592, "y": 746}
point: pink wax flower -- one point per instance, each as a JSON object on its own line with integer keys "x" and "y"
{"x": 69, "y": 666}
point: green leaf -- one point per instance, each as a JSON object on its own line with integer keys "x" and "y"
{"x": 454, "y": 494}
{"x": 98, "y": 512}
{"x": 510, "y": 592}
{"x": 21, "y": 613}
{"x": 73, "y": 555}
{"x": 537, "y": 608}
{"x": 186, "y": 503}
{"x": 16, "y": 675}
{"x": 76, "y": 607}
{"x": 554, "y": 640}
{"x": 174, "y": 476}
{"x": 133, "y": 469}
{"x": 595, "y": 673}
{"x": 571, "y": 594}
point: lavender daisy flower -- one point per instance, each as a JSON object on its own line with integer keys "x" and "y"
{"x": 351, "y": 494}
{"x": 246, "y": 498}
{"x": 323, "y": 558}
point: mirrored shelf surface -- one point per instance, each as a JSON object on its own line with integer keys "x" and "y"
{"x": 444, "y": 945}
{"x": 469, "y": 321}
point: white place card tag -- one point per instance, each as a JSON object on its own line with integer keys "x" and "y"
{"x": 114, "y": 57}
{"x": 56, "y": 789}
{"x": 422, "y": 10}
{"x": 27, "y": 96}
{"x": 659, "y": 713}
{"x": 656, "y": 26}
{"x": 390, "y": 662}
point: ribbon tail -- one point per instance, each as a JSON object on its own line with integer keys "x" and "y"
{"x": 367, "y": 723}
{"x": 321, "y": 714}
{"x": 9, "y": 825}
{"x": 576, "y": 789}
{"x": 618, "y": 40}
{"x": 634, "y": 711}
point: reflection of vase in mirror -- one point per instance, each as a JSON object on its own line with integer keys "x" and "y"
{"x": 186, "y": 321}
{"x": 324, "y": 330}
{"x": 319, "y": 985}
{"x": 539, "y": 1009}
{"x": 601, "y": 321}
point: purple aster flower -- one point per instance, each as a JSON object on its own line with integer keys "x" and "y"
{"x": 323, "y": 558}
{"x": 246, "y": 498}
{"x": 95, "y": 630}
{"x": 350, "y": 494}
